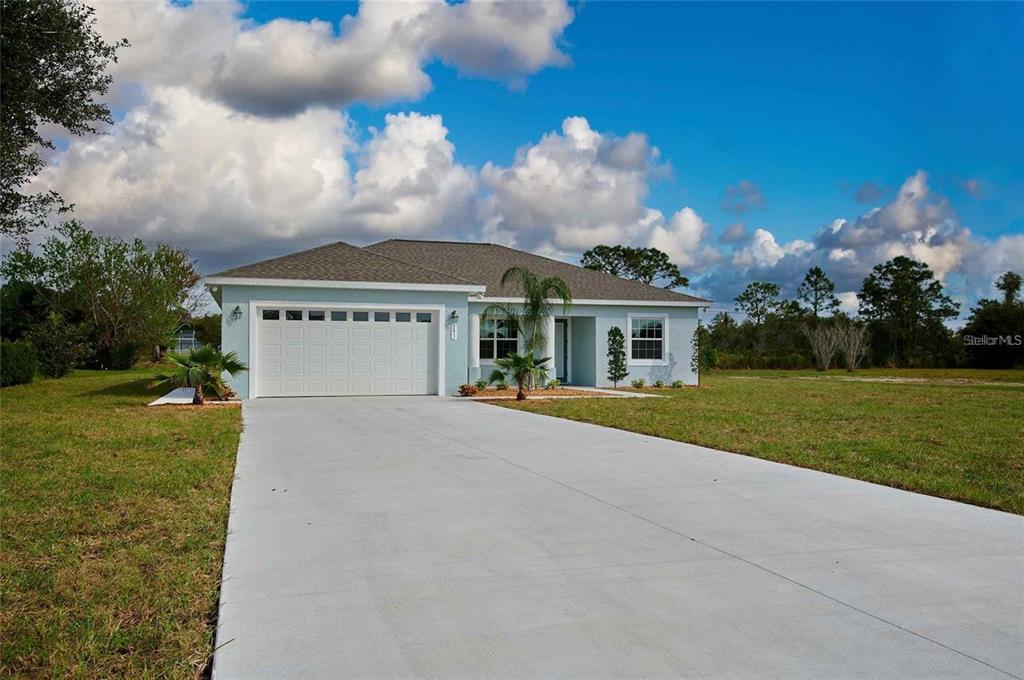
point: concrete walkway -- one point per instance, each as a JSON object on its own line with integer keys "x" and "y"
{"x": 429, "y": 537}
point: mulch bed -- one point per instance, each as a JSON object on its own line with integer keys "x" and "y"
{"x": 537, "y": 394}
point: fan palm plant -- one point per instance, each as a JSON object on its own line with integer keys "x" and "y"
{"x": 202, "y": 368}
{"x": 530, "y": 316}
{"x": 524, "y": 369}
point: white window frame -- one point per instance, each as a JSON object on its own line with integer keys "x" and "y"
{"x": 256, "y": 306}
{"x": 663, "y": 361}
{"x": 494, "y": 340}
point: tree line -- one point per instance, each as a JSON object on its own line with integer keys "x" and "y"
{"x": 901, "y": 319}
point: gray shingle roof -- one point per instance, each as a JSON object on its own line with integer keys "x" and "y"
{"x": 484, "y": 263}
{"x": 341, "y": 262}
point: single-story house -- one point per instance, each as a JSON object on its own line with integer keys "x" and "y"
{"x": 405, "y": 317}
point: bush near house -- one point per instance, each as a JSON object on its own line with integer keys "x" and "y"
{"x": 18, "y": 363}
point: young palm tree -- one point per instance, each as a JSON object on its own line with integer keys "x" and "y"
{"x": 529, "y": 317}
{"x": 202, "y": 368}
{"x": 524, "y": 369}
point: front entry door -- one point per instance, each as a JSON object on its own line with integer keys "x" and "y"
{"x": 561, "y": 358}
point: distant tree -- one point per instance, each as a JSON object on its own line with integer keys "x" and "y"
{"x": 993, "y": 336}
{"x": 21, "y": 307}
{"x": 904, "y": 301}
{"x": 54, "y": 74}
{"x": 127, "y": 295}
{"x": 208, "y": 329}
{"x": 758, "y": 300}
{"x": 823, "y": 340}
{"x": 646, "y": 265}
{"x": 58, "y": 345}
{"x": 853, "y": 342}
{"x": 616, "y": 355}
{"x": 818, "y": 292}
{"x": 1010, "y": 284}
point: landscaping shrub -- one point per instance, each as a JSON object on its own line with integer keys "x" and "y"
{"x": 467, "y": 390}
{"x": 554, "y": 384}
{"x": 501, "y": 385}
{"x": 481, "y": 384}
{"x": 58, "y": 345}
{"x": 18, "y": 362}
{"x": 676, "y": 384}
{"x": 639, "y": 383}
{"x": 659, "y": 383}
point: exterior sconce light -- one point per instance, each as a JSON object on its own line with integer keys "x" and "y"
{"x": 455, "y": 315}
{"x": 236, "y": 313}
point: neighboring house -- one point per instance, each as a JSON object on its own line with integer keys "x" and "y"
{"x": 404, "y": 317}
{"x": 184, "y": 339}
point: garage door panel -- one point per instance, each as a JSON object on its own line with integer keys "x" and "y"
{"x": 333, "y": 354}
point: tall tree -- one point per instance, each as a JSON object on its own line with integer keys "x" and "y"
{"x": 903, "y": 299}
{"x": 993, "y": 336}
{"x": 818, "y": 292}
{"x": 758, "y": 300}
{"x": 1010, "y": 284}
{"x": 646, "y": 265}
{"x": 127, "y": 295}
{"x": 54, "y": 71}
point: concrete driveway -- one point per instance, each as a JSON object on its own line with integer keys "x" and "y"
{"x": 428, "y": 537}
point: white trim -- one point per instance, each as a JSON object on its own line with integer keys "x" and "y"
{"x": 630, "y": 361}
{"x": 255, "y": 305}
{"x": 618, "y": 303}
{"x": 362, "y": 285}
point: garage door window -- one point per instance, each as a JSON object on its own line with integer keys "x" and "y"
{"x": 382, "y": 316}
{"x": 339, "y": 316}
{"x": 316, "y": 315}
{"x": 403, "y": 316}
{"x": 293, "y": 315}
{"x": 271, "y": 314}
{"x": 360, "y": 316}
{"x": 423, "y": 317}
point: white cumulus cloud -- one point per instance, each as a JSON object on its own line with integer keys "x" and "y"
{"x": 284, "y": 66}
{"x": 184, "y": 169}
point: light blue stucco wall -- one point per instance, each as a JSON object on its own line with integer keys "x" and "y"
{"x": 584, "y": 350}
{"x": 682, "y": 324}
{"x": 235, "y": 332}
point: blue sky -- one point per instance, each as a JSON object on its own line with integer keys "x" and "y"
{"x": 808, "y": 100}
{"x": 848, "y": 132}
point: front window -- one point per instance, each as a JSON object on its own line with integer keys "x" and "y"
{"x": 647, "y": 339}
{"x": 497, "y": 338}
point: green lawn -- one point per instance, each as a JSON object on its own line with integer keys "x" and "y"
{"x": 113, "y": 519}
{"x": 957, "y": 440}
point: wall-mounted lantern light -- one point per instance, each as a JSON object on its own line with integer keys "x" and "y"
{"x": 455, "y": 315}
{"x": 236, "y": 313}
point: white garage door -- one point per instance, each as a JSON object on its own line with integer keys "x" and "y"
{"x": 303, "y": 351}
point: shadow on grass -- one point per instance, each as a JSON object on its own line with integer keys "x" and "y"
{"x": 140, "y": 387}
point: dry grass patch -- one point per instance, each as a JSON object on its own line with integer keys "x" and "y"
{"x": 113, "y": 518}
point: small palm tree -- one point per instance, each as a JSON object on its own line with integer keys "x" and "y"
{"x": 524, "y": 369}
{"x": 536, "y": 307}
{"x": 202, "y": 368}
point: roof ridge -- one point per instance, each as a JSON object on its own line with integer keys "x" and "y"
{"x": 410, "y": 264}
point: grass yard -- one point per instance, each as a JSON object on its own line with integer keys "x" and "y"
{"x": 113, "y": 519}
{"x": 946, "y": 437}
